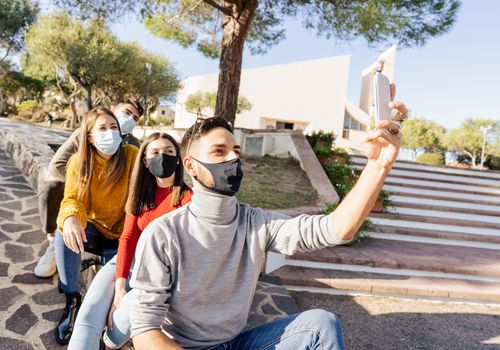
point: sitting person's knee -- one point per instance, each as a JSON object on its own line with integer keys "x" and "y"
{"x": 323, "y": 319}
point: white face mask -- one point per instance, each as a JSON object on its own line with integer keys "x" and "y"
{"x": 107, "y": 141}
{"x": 127, "y": 122}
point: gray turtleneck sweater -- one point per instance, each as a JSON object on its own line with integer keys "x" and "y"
{"x": 196, "y": 268}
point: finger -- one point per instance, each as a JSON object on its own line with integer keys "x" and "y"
{"x": 110, "y": 317}
{"x": 402, "y": 111}
{"x": 392, "y": 89}
{"x": 372, "y": 135}
{"x": 388, "y": 124}
{"x": 71, "y": 243}
{"x": 79, "y": 242}
{"x": 393, "y": 139}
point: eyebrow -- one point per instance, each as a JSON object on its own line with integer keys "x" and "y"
{"x": 166, "y": 147}
{"x": 223, "y": 145}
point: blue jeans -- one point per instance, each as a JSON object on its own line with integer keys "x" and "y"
{"x": 68, "y": 262}
{"x": 313, "y": 329}
{"x": 120, "y": 335}
{"x": 93, "y": 314}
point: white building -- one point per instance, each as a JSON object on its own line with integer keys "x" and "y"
{"x": 307, "y": 95}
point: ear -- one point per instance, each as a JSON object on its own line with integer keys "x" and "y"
{"x": 189, "y": 166}
{"x": 90, "y": 137}
{"x": 145, "y": 162}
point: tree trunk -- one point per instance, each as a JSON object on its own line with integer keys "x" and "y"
{"x": 88, "y": 88}
{"x": 74, "y": 117}
{"x": 235, "y": 29}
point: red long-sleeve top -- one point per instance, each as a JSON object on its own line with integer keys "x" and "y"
{"x": 134, "y": 225}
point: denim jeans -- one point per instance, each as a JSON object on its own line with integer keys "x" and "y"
{"x": 68, "y": 262}
{"x": 93, "y": 314}
{"x": 313, "y": 329}
{"x": 120, "y": 334}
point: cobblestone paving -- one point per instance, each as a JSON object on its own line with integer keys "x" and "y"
{"x": 30, "y": 307}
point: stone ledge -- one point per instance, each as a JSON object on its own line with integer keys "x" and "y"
{"x": 28, "y": 146}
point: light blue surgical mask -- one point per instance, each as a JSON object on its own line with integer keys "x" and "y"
{"x": 107, "y": 141}
{"x": 127, "y": 122}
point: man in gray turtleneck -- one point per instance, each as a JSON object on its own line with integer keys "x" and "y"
{"x": 196, "y": 268}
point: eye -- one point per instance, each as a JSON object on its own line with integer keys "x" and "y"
{"x": 114, "y": 127}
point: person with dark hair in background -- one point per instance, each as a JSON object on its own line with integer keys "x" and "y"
{"x": 156, "y": 188}
{"x": 196, "y": 269}
{"x": 91, "y": 214}
{"x": 51, "y": 190}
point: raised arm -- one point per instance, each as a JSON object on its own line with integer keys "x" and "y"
{"x": 307, "y": 232}
{"x": 382, "y": 150}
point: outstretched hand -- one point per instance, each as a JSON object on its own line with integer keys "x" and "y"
{"x": 382, "y": 144}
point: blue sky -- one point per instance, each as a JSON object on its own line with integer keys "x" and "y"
{"x": 454, "y": 76}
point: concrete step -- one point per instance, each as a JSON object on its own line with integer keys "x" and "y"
{"x": 444, "y": 187}
{"x": 403, "y": 165}
{"x": 391, "y": 254}
{"x": 437, "y": 177}
{"x": 436, "y": 193}
{"x": 363, "y": 282}
{"x": 452, "y": 217}
{"x": 444, "y": 205}
{"x": 433, "y": 226}
{"x": 417, "y": 232}
{"x": 430, "y": 240}
{"x": 422, "y": 218}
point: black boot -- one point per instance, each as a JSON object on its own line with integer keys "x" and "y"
{"x": 65, "y": 326}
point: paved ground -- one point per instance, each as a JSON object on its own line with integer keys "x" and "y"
{"x": 377, "y": 323}
{"x": 29, "y": 306}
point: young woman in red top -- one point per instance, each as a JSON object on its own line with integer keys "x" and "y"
{"x": 157, "y": 187}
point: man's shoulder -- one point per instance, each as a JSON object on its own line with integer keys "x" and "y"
{"x": 259, "y": 213}
{"x": 169, "y": 220}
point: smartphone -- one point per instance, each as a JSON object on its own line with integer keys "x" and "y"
{"x": 382, "y": 97}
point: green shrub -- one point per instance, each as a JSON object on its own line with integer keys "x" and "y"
{"x": 431, "y": 158}
{"x": 322, "y": 151}
{"x": 342, "y": 178}
{"x": 492, "y": 163}
{"x": 321, "y": 138}
{"x": 384, "y": 197}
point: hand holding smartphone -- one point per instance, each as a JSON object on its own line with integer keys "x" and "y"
{"x": 382, "y": 97}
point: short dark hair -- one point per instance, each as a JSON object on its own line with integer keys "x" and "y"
{"x": 200, "y": 128}
{"x": 137, "y": 104}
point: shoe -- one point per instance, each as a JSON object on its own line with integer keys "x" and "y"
{"x": 46, "y": 266}
{"x": 65, "y": 326}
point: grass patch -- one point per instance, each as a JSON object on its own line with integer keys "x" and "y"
{"x": 275, "y": 183}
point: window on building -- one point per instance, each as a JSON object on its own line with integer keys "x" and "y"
{"x": 163, "y": 112}
{"x": 351, "y": 124}
{"x": 283, "y": 125}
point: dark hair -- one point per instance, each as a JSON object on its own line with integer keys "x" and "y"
{"x": 86, "y": 153}
{"x": 143, "y": 184}
{"x": 200, "y": 128}
{"x": 137, "y": 104}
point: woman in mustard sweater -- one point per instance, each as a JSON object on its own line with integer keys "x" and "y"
{"x": 92, "y": 214}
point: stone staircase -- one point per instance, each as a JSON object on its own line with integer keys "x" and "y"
{"x": 439, "y": 241}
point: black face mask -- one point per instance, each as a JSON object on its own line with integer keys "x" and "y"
{"x": 162, "y": 165}
{"x": 227, "y": 176}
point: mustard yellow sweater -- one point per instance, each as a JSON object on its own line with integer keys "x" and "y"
{"x": 103, "y": 206}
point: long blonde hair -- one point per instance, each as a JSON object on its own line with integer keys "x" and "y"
{"x": 87, "y": 152}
